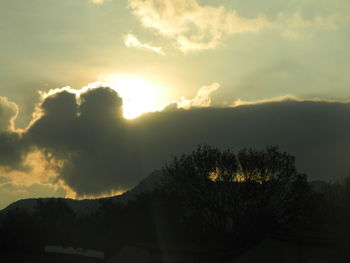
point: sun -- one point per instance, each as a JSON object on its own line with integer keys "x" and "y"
{"x": 139, "y": 95}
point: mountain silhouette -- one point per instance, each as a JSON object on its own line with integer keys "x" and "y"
{"x": 86, "y": 206}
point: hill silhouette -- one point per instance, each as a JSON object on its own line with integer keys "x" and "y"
{"x": 86, "y": 206}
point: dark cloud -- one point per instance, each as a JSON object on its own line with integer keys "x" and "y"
{"x": 11, "y": 149}
{"x": 102, "y": 152}
{"x": 53, "y": 130}
{"x": 102, "y": 103}
{"x": 88, "y": 134}
{"x": 315, "y": 132}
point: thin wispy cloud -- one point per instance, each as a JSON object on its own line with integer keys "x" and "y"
{"x": 131, "y": 40}
{"x": 296, "y": 26}
{"x": 285, "y": 98}
{"x": 194, "y": 27}
{"x": 197, "y": 27}
{"x": 99, "y": 2}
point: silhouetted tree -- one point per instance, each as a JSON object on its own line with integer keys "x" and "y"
{"x": 225, "y": 193}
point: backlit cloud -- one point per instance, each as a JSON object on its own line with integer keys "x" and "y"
{"x": 36, "y": 168}
{"x": 8, "y": 114}
{"x": 99, "y": 2}
{"x": 201, "y": 100}
{"x": 194, "y": 27}
{"x": 80, "y": 142}
{"x": 131, "y": 40}
{"x": 285, "y": 98}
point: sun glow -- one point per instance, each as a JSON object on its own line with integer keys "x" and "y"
{"x": 139, "y": 95}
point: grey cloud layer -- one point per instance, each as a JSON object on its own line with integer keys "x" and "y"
{"x": 103, "y": 152}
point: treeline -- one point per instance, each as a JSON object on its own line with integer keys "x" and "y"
{"x": 53, "y": 222}
{"x": 208, "y": 199}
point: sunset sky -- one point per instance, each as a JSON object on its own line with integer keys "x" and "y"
{"x": 228, "y": 73}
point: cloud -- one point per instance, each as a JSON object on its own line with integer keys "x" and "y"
{"x": 8, "y": 114}
{"x": 194, "y": 27}
{"x": 11, "y": 147}
{"x": 240, "y": 102}
{"x": 80, "y": 142}
{"x": 201, "y": 100}
{"x": 314, "y": 131}
{"x": 99, "y": 2}
{"x": 296, "y": 26}
{"x": 36, "y": 168}
{"x": 132, "y": 41}
{"x": 84, "y": 131}
{"x": 285, "y": 98}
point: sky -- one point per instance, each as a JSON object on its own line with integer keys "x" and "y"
{"x": 76, "y": 76}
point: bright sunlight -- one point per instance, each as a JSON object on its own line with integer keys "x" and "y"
{"x": 139, "y": 95}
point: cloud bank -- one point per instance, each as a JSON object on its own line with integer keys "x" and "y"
{"x": 80, "y": 142}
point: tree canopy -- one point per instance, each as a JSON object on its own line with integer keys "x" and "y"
{"x": 227, "y": 192}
